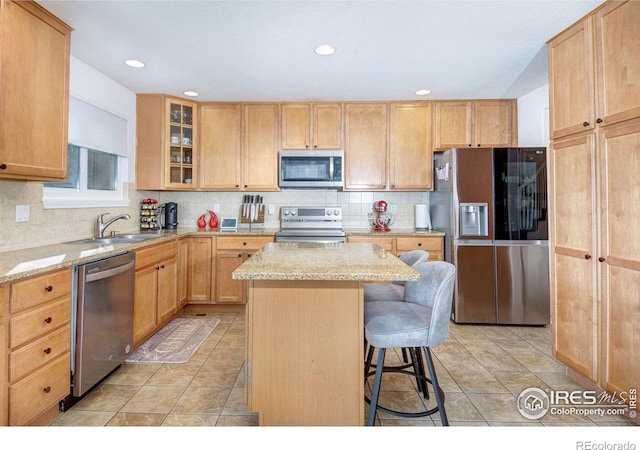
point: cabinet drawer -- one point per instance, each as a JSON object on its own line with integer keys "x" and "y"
{"x": 243, "y": 243}
{"x": 384, "y": 242}
{"x": 38, "y": 290}
{"x": 156, "y": 254}
{"x": 39, "y": 322}
{"x": 39, "y": 353}
{"x": 419, "y": 243}
{"x": 40, "y": 391}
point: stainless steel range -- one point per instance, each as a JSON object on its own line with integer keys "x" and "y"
{"x": 311, "y": 224}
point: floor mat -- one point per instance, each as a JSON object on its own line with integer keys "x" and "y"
{"x": 176, "y": 342}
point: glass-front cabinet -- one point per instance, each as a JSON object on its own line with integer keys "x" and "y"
{"x": 181, "y": 143}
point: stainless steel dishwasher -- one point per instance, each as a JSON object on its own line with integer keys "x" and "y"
{"x": 103, "y": 316}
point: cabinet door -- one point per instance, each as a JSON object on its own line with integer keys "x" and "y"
{"x": 327, "y": 126}
{"x": 571, "y": 80}
{"x": 619, "y": 258}
{"x": 366, "y": 146}
{"x": 452, "y": 125}
{"x": 618, "y": 35}
{"x": 35, "y": 93}
{"x": 200, "y": 269}
{"x": 261, "y": 145}
{"x": 494, "y": 123}
{"x": 167, "y": 289}
{"x": 229, "y": 290}
{"x": 296, "y": 126}
{"x": 410, "y": 152}
{"x": 573, "y": 250}
{"x": 181, "y": 157}
{"x": 145, "y": 302}
{"x": 3, "y": 364}
{"x": 183, "y": 271}
{"x": 220, "y": 146}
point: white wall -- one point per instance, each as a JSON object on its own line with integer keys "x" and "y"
{"x": 533, "y": 118}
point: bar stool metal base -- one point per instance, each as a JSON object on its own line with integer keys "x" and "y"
{"x": 418, "y": 373}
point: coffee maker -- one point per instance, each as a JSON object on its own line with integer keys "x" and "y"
{"x": 170, "y": 216}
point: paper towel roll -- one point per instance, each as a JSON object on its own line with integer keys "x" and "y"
{"x": 423, "y": 220}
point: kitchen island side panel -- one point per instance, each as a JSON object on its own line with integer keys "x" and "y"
{"x": 305, "y": 352}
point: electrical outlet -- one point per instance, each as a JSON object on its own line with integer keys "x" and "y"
{"x": 272, "y": 208}
{"x": 392, "y": 209}
{"x": 216, "y": 207}
{"x": 22, "y": 213}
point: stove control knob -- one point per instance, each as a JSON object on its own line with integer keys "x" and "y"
{"x": 294, "y": 212}
{"x": 336, "y": 212}
{"x": 285, "y": 212}
{"x": 329, "y": 212}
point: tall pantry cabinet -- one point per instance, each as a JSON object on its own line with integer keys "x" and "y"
{"x": 594, "y": 87}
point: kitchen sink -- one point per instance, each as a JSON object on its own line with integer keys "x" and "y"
{"x": 119, "y": 239}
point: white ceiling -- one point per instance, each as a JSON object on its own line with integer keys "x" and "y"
{"x": 263, "y": 50}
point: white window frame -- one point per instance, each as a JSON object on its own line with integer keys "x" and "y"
{"x": 88, "y": 198}
{"x": 92, "y": 127}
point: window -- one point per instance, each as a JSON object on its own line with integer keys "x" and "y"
{"x": 97, "y": 162}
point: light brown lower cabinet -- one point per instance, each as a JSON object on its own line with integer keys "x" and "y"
{"x": 398, "y": 245}
{"x": 155, "y": 298}
{"x": 39, "y": 359}
{"x": 3, "y": 361}
{"x": 231, "y": 252}
{"x": 200, "y": 269}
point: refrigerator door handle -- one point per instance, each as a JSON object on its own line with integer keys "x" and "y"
{"x": 474, "y": 242}
{"x": 530, "y": 242}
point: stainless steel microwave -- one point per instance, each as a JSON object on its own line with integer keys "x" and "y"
{"x": 315, "y": 169}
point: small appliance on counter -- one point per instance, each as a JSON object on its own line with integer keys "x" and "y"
{"x": 149, "y": 212}
{"x": 423, "y": 220}
{"x": 380, "y": 219}
{"x": 170, "y": 216}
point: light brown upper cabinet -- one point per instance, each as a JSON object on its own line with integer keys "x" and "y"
{"x": 410, "y": 147}
{"x": 220, "y": 146}
{"x": 34, "y": 93}
{"x": 166, "y": 156}
{"x": 311, "y": 126}
{"x": 239, "y": 146}
{"x": 477, "y": 123}
{"x": 603, "y": 46}
{"x": 366, "y": 146}
{"x": 261, "y": 142}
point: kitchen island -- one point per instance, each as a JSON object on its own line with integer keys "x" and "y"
{"x": 305, "y": 333}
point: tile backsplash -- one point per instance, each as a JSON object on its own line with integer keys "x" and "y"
{"x": 50, "y": 226}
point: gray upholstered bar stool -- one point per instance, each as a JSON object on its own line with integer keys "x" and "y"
{"x": 419, "y": 322}
{"x": 393, "y": 291}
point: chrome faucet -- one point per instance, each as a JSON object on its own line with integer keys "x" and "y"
{"x": 101, "y": 226}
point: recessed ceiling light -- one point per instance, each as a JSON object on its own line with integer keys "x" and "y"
{"x": 134, "y": 63}
{"x": 325, "y": 49}
{"x": 191, "y": 93}
{"x": 423, "y": 92}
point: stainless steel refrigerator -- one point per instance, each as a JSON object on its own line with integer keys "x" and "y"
{"x": 492, "y": 204}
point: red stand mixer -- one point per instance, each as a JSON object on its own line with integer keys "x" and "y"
{"x": 380, "y": 219}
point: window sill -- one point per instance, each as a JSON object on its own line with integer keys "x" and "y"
{"x": 82, "y": 203}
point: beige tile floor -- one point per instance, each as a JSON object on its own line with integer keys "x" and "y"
{"x": 482, "y": 370}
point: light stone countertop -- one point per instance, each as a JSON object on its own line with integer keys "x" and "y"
{"x": 18, "y": 264}
{"x": 305, "y": 261}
